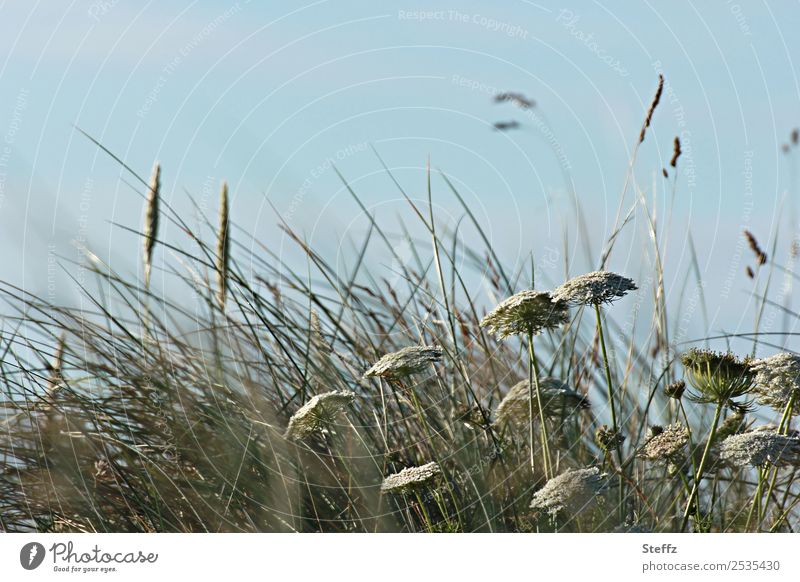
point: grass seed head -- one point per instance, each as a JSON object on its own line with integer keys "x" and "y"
{"x": 151, "y": 221}
{"x": 526, "y": 312}
{"x": 222, "y": 247}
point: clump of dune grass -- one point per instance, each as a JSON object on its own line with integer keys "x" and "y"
{"x": 303, "y": 396}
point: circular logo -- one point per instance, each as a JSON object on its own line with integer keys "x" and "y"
{"x": 31, "y": 555}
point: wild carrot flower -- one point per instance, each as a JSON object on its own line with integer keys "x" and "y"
{"x": 527, "y": 312}
{"x": 411, "y": 478}
{"x": 572, "y": 491}
{"x": 608, "y": 438}
{"x": 759, "y": 447}
{"x": 718, "y": 377}
{"x": 405, "y": 362}
{"x": 594, "y": 288}
{"x": 558, "y": 400}
{"x": 666, "y": 445}
{"x": 318, "y": 413}
{"x": 777, "y": 381}
{"x": 675, "y": 389}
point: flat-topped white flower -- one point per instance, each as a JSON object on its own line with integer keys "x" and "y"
{"x": 573, "y": 491}
{"x": 318, "y": 413}
{"x": 526, "y": 312}
{"x": 594, "y": 288}
{"x": 759, "y": 447}
{"x": 777, "y": 381}
{"x": 411, "y": 478}
{"x": 667, "y": 445}
{"x": 558, "y": 400}
{"x": 410, "y": 360}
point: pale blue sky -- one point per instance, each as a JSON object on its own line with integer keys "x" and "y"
{"x": 262, "y": 95}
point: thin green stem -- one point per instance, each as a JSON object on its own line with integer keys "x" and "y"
{"x": 615, "y": 426}
{"x": 533, "y": 385}
{"x": 699, "y": 476}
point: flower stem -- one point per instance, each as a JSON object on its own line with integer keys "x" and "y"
{"x": 533, "y": 385}
{"x": 614, "y": 425}
{"x": 699, "y": 476}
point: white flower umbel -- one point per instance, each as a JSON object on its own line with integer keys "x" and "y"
{"x": 411, "y": 478}
{"x": 318, "y": 413}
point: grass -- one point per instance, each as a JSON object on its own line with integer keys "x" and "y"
{"x": 142, "y": 413}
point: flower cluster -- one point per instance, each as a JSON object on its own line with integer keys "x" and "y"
{"x": 317, "y": 413}
{"x": 558, "y": 400}
{"x": 594, "y": 288}
{"x": 759, "y": 447}
{"x": 718, "y": 377}
{"x": 408, "y": 361}
{"x": 777, "y": 381}
{"x": 666, "y": 445}
{"x": 411, "y": 478}
{"x": 572, "y": 491}
{"x": 527, "y": 312}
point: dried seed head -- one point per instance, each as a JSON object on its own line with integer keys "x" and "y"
{"x": 667, "y": 446}
{"x": 151, "y": 221}
{"x": 222, "y": 247}
{"x": 652, "y": 109}
{"x": 410, "y": 360}
{"x": 506, "y": 125}
{"x": 411, "y": 479}
{"x": 675, "y": 390}
{"x": 527, "y": 312}
{"x": 594, "y": 288}
{"x": 573, "y": 491}
{"x": 777, "y": 381}
{"x": 558, "y": 400}
{"x": 676, "y": 152}
{"x": 318, "y": 413}
{"x": 761, "y": 256}
{"x": 517, "y": 98}
{"x": 759, "y": 447}
{"x": 608, "y": 439}
{"x": 55, "y": 377}
{"x": 718, "y": 377}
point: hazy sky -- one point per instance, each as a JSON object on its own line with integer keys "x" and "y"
{"x": 266, "y": 95}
